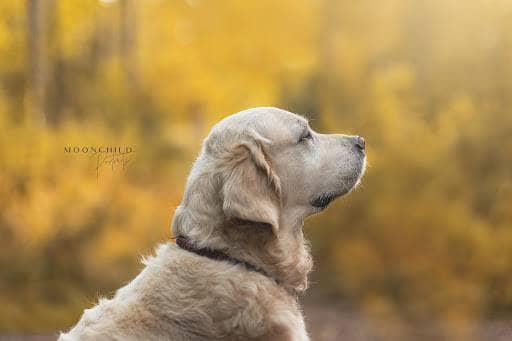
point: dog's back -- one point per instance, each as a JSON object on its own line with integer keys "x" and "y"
{"x": 183, "y": 296}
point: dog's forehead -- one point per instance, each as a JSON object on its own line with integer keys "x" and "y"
{"x": 269, "y": 121}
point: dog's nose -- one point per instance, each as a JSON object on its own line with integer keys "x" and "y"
{"x": 360, "y": 143}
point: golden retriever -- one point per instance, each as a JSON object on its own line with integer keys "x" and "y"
{"x": 241, "y": 260}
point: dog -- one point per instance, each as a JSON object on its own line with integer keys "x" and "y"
{"x": 240, "y": 260}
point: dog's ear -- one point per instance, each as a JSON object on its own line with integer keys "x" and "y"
{"x": 251, "y": 190}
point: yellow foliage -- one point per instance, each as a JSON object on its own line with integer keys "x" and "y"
{"x": 427, "y": 236}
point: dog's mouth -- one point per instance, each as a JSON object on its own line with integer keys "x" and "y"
{"x": 324, "y": 200}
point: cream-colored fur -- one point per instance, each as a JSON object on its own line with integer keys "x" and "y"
{"x": 260, "y": 173}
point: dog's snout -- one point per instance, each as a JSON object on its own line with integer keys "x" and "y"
{"x": 360, "y": 143}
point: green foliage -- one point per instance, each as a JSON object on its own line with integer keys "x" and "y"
{"x": 428, "y": 235}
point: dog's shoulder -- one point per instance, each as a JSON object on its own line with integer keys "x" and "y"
{"x": 220, "y": 299}
{"x": 181, "y": 295}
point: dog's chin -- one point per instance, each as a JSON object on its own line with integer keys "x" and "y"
{"x": 348, "y": 184}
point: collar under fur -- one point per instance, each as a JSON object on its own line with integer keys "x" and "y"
{"x": 185, "y": 244}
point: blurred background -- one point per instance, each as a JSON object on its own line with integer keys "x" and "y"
{"x": 421, "y": 251}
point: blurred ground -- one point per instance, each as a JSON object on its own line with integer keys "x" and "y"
{"x": 335, "y": 322}
{"x": 327, "y": 322}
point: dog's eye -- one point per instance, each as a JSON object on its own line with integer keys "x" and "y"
{"x": 306, "y": 136}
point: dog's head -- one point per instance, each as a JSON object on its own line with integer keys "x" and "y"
{"x": 276, "y": 164}
{"x": 261, "y": 172}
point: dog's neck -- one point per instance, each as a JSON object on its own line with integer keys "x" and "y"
{"x": 186, "y": 244}
{"x": 285, "y": 258}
